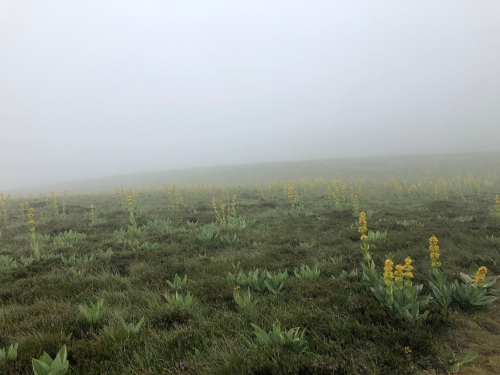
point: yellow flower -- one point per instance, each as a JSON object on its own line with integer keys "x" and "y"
{"x": 236, "y": 288}
{"x": 388, "y": 274}
{"x": 362, "y": 223}
{"x": 364, "y": 237}
{"x": 433, "y": 244}
{"x": 480, "y": 275}
{"x": 407, "y": 350}
{"x": 434, "y": 248}
{"x": 398, "y": 273}
{"x": 407, "y": 268}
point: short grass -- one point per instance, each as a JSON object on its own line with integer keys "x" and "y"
{"x": 347, "y": 331}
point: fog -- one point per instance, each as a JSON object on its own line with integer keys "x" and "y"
{"x": 99, "y": 88}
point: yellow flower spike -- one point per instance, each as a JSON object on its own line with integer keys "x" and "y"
{"x": 434, "y": 251}
{"x": 407, "y": 268}
{"x": 362, "y": 223}
{"x": 398, "y": 273}
{"x": 388, "y": 274}
{"x": 480, "y": 275}
{"x": 236, "y": 288}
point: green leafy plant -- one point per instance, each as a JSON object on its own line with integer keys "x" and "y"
{"x": 11, "y": 354}
{"x": 374, "y": 237}
{"x": 207, "y": 235}
{"x": 244, "y": 303}
{"x": 74, "y": 261}
{"x": 162, "y": 226}
{"x": 48, "y": 366}
{"x": 178, "y": 283}
{"x": 95, "y": 313}
{"x": 453, "y": 364}
{"x": 44, "y": 238}
{"x": 227, "y": 239}
{"x": 131, "y": 328}
{"x": 344, "y": 275}
{"x": 259, "y": 282}
{"x": 442, "y": 292}
{"x": 120, "y": 235}
{"x": 7, "y": 262}
{"x": 104, "y": 254}
{"x": 409, "y": 223}
{"x": 292, "y": 339}
{"x": 68, "y": 238}
{"x": 177, "y": 301}
{"x": 475, "y": 290}
{"x": 306, "y": 273}
{"x": 238, "y": 223}
{"x": 396, "y": 290}
{"x": 149, "y": 246}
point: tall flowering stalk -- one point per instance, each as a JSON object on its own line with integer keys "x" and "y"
{"x": 442, "y": 292}
{"x": 408, "y": 268}
{"x": 434, "y": 252}
{"x": 133, "y": 224}
{"x": 34, "y": 240}
{"x": 92, "y": 215}
{"x": 364, "y": 238}
{"x": 370, "y": 274}
{"x": 4, "y": 212}
{"x": 388, "y": 272}
{"x": 480, "y": 275}
{"x": 233, "y": 206}
{"x": 53, "y": 203}
{"x": 497, "y": 206}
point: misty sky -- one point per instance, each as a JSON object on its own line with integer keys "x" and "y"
{"x": 98, "y": 88}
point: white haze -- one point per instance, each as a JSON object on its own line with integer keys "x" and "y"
{"x": 98, "y": 88}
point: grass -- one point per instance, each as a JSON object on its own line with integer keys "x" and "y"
{"x": 331, "y": 323}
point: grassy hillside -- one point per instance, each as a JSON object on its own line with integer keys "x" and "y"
{"x": 88, "y": 266}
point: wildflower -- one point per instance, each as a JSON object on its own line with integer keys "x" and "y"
{"x": 388, "y": 274}
{"x": 398, "y": 273}
{"x": 364, "y": 237}
{"x": 480, "y": 275}
{"x": 236, "y": 288}
{"x": 407, "y": 268}
{"x": 362, "y": 223}
{"x": 407, "y": 350}
{"x": 434, "y": 248}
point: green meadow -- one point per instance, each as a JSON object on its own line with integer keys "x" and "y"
{"x": 257, "y": 269}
